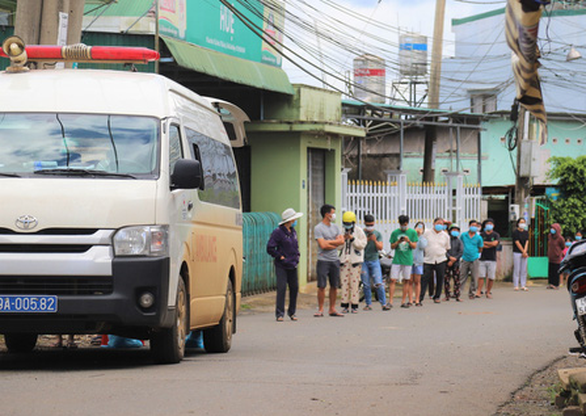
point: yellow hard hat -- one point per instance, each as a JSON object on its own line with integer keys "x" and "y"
{"x": 349, "y": 216}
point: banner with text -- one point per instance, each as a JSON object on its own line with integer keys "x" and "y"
{"x": 213, "y": 25}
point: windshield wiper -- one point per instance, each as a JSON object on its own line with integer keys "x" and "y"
{"x": 9, "y": 175}
{"x": 81, "y": 172}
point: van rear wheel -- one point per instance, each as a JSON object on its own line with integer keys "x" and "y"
{"x": 168, "y": 344}
{"x": 219, "y": 338}
{"x": 20, "y": 343}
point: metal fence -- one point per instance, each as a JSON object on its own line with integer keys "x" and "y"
{"x": 258, "y": 274}
{"x": 424, "y": 202}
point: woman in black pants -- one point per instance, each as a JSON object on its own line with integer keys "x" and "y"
{"x": 284, "y": 248}
{"x": 555, "y": 247}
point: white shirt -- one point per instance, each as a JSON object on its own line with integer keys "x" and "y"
{"x": 438, "y": 245}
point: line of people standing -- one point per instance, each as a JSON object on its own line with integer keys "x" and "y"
{"x": 439, "y": 255}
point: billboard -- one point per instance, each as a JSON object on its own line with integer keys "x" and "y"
{"x": 213, "y": 25}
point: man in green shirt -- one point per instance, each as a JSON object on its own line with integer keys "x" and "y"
{"x": 403, "y": 241}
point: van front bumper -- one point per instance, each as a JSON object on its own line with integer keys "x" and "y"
{"x": 116, "y": 311}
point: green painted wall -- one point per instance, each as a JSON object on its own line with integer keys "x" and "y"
{"x": 566, "y": 138}
{"x": 413, "y": 163}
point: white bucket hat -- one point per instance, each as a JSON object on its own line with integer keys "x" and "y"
{"x": 289, "y": 215}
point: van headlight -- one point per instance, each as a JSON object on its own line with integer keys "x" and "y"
{"x": 143, "y": 240}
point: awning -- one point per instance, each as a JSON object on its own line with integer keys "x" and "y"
{"x": 228, "y": 67}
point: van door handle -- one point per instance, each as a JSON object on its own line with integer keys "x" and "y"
{"x": 189, "y": 205}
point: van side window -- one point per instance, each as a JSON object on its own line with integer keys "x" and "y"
{"x": 196, "y": 154}
{"x": 219, "y": 169}
{"x": 174, "y": 146}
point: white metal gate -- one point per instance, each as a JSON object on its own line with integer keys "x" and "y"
{"x": 423, "y": 202}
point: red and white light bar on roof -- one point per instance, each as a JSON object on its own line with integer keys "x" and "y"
{"x": 14, "y": 49}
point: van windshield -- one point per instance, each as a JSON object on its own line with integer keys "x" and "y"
{"x": 33, "y": 143}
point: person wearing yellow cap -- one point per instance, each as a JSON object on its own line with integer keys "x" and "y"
{"x": 351, "y": 259}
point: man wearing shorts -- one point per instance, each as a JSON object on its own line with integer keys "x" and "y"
{"x": 487, "y": 267}
{"x": 403, "y": 241}
{"x": 329, "y": 238}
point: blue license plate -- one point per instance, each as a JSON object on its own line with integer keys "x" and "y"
{"x": 28, "y": 304}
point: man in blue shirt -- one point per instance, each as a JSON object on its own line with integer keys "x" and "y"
{"x": 473, "y": 245}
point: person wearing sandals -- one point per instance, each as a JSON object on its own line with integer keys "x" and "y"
{"x": 371, "y": 267}
{"x": 555, "y": 247}
{"x": 351, "y": 259}
{"x": 329, "y": 238}
{"x": 487, "y": 265}
{"x": 520, "y": 254}
{"x": 453, "y": 268}
{"x": 284, "y": 248}
{"x": 403, "y": 241}
{"x": 473, "y": 245}
{"x": 417, "y": 270}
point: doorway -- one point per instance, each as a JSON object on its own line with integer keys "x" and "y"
{"x": 316, "y": 186}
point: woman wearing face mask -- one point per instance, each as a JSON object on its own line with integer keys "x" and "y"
{"x": 417, "y": 269}
{"x": 555, "y": 247}
{"x": 284, "y": 248}
{"x": 453, "y": 268}
{"x": 520, "y": 254}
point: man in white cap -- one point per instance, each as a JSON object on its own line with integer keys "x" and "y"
{"x": 284, "y": 248}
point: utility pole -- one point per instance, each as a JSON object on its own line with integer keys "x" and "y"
{"x": 434, "y": 88}
{"x": 37, "y": 21}
{"x": 436, "y": 54}
{"x": 524, "y": 160}
{"x": 27, "y": 23}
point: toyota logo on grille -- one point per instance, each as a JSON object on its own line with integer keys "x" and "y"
{"x": 26, "y": 222}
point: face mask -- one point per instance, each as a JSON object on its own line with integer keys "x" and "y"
{"x": 489, "y": 227}
{"x": 419, "y": 227}
{"x": 445, "y": 227}
{"x": 523, "y": 226}
{"x": 439, "y": 227}
{"x": 455, "y": 233}
{"x": 552, "y": 231}
{"x": 348, "y": 225}
{"x": 568, "y": 243}
{"x": 578, "y": 237}
{"x": 333, "y": 217}
{"x": 473, "y": 228}
{"x": 294, "y": 223}
{"x": 369, "y": 229}
{"x": 403, "y": 228}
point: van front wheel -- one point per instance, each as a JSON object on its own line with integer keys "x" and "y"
{"x": 219, "y": 338}
{"x": 168, "y": 344}
{"x": 20, "y": 343}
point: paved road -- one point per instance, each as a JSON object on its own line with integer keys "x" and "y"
{"x": 448, "y": 359}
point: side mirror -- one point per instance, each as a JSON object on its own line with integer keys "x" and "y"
{"x": 186, "y": 174}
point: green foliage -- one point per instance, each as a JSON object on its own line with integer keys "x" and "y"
{"x": 570, "y": 209}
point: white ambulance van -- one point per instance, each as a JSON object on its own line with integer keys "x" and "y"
{"x": 121, "y": 211}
